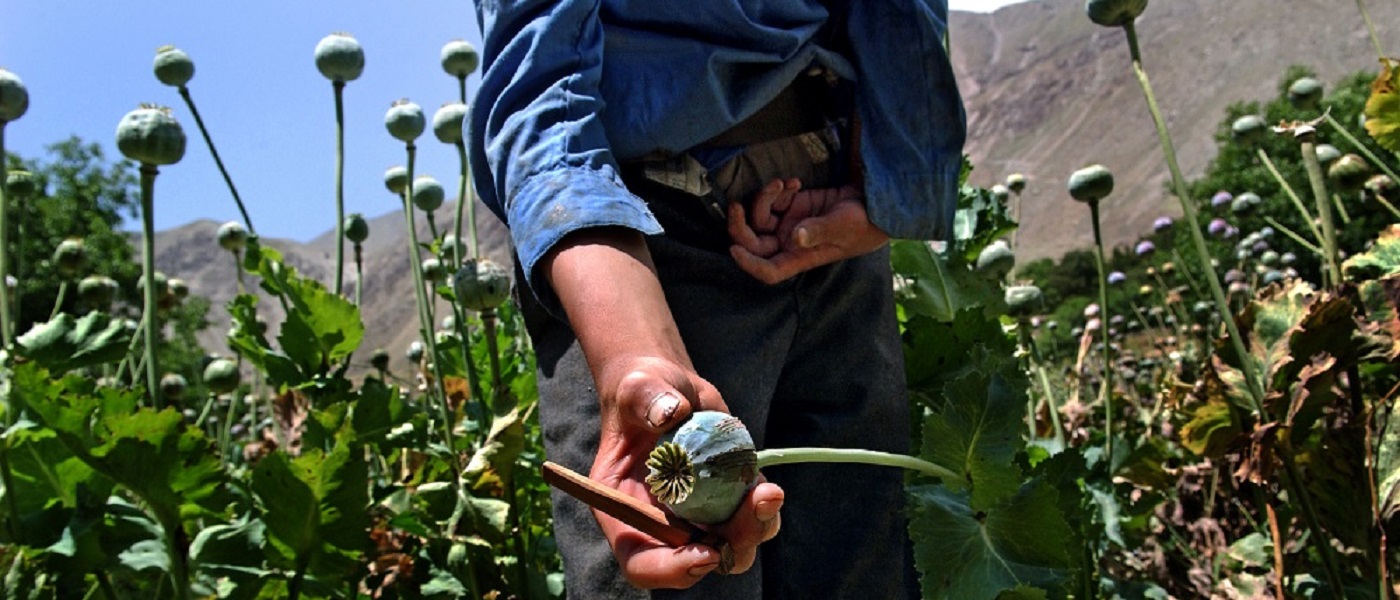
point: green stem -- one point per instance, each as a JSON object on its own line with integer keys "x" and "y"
{"x": 1360, "y": 147}
{"x": 148, "y": 262}
{"x": 105, "y": 583}
{"x": 11, "y": 500}
{"x": 227, "y": 425}
{"x": 1388, "y": 206}
{"x": 772, "y": 457}
{"x": 1189, "y": 212}
{"x": 58, "y": 304}
{"x": 1106, "y": 389}
{"x": 1341, "y": 209}
{"x": 339, "y": 87}
{"x": 1292, "y": 195}
{"x": 426, "y": 325}
{"x": 179, "y": 571}
{"x": 1366, "y": 16}
{"x": 469, "y": 361}
{"x": 1051, "y": 402}
{"x": 359, "y": 275}
{"x": 457, "y": 255}
{"x": 189, "y": 101}
{"x": 6, "y": 327}
{"x": 1294, "y": 235}
{"x": 1320, "y": 195}
{"x": 488, "y": 322}
{"x": 1319, "y": 536}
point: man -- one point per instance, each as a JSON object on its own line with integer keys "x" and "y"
{"x": 700, "y": 195}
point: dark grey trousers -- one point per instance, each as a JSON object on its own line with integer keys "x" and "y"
{"x": 813, "y": 361}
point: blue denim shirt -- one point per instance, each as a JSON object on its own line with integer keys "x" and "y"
{"x": 573, "y": 87}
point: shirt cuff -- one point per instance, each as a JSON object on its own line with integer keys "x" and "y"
{"x": 556, "y": 203}
{"x": 915, "y": 206}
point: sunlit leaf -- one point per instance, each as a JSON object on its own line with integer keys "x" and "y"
{"x": 1388, "y": 463}
{"x": 978, "y": 431}
{"x": 66, "y": 343}
{"x": 941, "y": 286}
{"x": 1383, "y": 108}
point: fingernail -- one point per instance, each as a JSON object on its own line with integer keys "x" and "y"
{"x": 766, "y": 511}
{"x": 662, "y": 408}
{"x": 709, "y": 564}
{"x": 804, "y": 237}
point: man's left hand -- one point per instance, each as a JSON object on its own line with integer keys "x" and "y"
{"x": 793, "y": 230}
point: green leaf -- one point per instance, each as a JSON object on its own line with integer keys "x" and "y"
{"x": 1383, "y": 108}
{"x": 314, "y": 508}
{"x": 65, "y": 343}
{"x": 493, "y": 464}
{"x": 1021, "y": 542}
{"x": 379, "y": 409}
{"x": 1382, "y": 259}
{"x": 978, "y": 432}
{"x": 941, "y": 286}
{"x": 1388, "y": 463}
{"x": 321, "y": 328}
{"x": 936, "y": 352}
{"x": 230, "y": 555}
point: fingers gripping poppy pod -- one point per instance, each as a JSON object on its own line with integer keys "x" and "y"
{"x": 340, "y": 58}
{"x": 702, "y": 469}
{"x": 173, "y": 67}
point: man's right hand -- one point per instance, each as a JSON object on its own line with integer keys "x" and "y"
{"x": 646, "y": 385}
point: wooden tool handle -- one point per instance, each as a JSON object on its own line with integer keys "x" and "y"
{"x": 644, "y": 517}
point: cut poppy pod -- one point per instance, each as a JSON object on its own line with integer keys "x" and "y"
{"x": 702, "y": 469}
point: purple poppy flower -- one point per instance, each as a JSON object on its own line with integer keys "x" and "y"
{"x": 1145, "y": 248}
{"x": 1217, "y": 227}
{"x": 1091, "y": 311}
{"x": 1221, "y": 198}
{"x": 1162, "y": 224}
{"x": 1116, "y": 278}
{"x": 1232, "y": 232}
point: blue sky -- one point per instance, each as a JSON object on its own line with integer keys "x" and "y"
{"x": 270, "y": 112}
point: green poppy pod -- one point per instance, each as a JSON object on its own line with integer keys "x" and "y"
{"x": 396, "y": 179}
{"x": 1380, "y": 184}
{"x": 162, "y": 284}
{"x": 1349, "y": 173}
{"x": 447, "y": 122}
{"x": 460, "y": 58}
{"x": 702, "y": 469}
{"x": 428, "y": 194}
{"x": 1146, "y": 291}
{"x": 414, "y": 353}
{"x": 1248, "y": 130}
{"x": 232, "y": 236}
{"x": 14, "y": 97}
{"x": 1245, "y": 203}
{"x": 1000, "y": 193}
{"x": 70, "y": 257}
{"x": 150, "y": 135}
{"x": 179, "y": 289}
{"x": 1114, "y": 13}
{"x": 405, "y": 121}
{"x": 449, "y": 323}
{"x": 1024, "y": 300}
{"x": 1016, "y": 182}
{"x": 1269, "y": 258}
{"x": 356, "y": 228}
{"x": 173, "y": 386}
{"x": 379, "y": 359}
{"x": 481, "y": 284}
{"x": 1326, "y": 153}
{"x": 996, "y": 260}
{"x": 97, "y": 292}
{"x": 20, "y": 183}
{"x": 1091, "y": 184}
{"x": 1273, "y": 277}
{"x": 173, "y": 67}
{"x": 1305, "y": 93}
{"x": 450, "y": 246}
{"x": 221, "y": 376}
{"x": 433, "y": 271}
{"x": 340, "y": 58}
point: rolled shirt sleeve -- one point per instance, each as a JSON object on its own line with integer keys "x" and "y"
{"x": 539, "y": 150}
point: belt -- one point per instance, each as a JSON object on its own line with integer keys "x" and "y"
{"x": 807, "y": 104}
